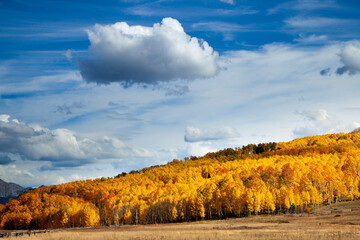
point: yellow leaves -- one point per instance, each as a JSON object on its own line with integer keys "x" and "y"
{"x": 250, "y": 200}
{"x": 286, "y": 197}
{"x": 174, "y": 214}
{"x": 269, "y": 202}
{"x": 143, "y": 210}
{"x": 305, "y": 171}
{"x": 89, "y": 216}
{"x": 65, "y": 219}
{"x": 201, "y": 211}
{"x": 315, "y": 196}
{"x": 15, "y": 220}
{"x": 305, "y": 197}
{"x": 127, "y": 216}
{"x": 17, "y": 216}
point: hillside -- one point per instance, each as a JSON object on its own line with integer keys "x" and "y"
{"x": 255, "y": 179}
{"x": 9, "y": 190}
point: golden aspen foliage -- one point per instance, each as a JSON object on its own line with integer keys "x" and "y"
{"x": 254, "y": 179}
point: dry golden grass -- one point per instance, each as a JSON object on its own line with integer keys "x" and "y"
{"x": 320, "y": 225}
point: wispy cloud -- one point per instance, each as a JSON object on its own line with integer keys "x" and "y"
{"x": 225, "y": 28}
{"x": 316, "y": 22}
{"x": 312, "y": 39}
{"x": 193, "y": 134}
{"x": 220, "y": 27}
{"x": 231, "y": 2}
{"x": 303, "y": 5}
{"x": 68, "y": 55}
{"x": 321, "y": 122}
{"x": 68, "y": 109}
{"x": 41, "y": 84}
{"x": 3, "y": 69}
{"x": 152, "y": 10}
{"x": 56, "y": 31}
{"x": 177, "y": 90}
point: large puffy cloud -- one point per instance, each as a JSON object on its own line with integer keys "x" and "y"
{"x": 138, "y": 54}
{"x": 350, "y": 57}
{"x": 60, "y": 147}
{"x": 193, "y": 134}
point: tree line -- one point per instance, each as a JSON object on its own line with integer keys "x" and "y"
{"x": 254, "y": 179}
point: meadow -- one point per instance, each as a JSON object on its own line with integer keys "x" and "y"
{"x": 336, "y": 221}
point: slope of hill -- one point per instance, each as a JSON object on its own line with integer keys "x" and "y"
{"x": 254, "y": 179}
{"x": 9, "y": 190}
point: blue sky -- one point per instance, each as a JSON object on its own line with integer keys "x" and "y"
{"x": 91, "y": 89}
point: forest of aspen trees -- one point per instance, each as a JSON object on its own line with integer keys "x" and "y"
{"x": 255, "y": 179}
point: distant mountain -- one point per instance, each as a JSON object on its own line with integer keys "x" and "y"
{"x": 9, "y": 190}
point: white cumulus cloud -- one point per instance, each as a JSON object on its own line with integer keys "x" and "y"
{"x": 350, "y": 57}
{"x": 60, "y": 147}
{"x": 193, "y": 134}
{"x": 139, "y": 54}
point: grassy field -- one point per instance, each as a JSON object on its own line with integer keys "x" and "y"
{"x": 337, "y": 221}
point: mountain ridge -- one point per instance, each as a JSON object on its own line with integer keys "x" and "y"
{"x": 9, "y": 190}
